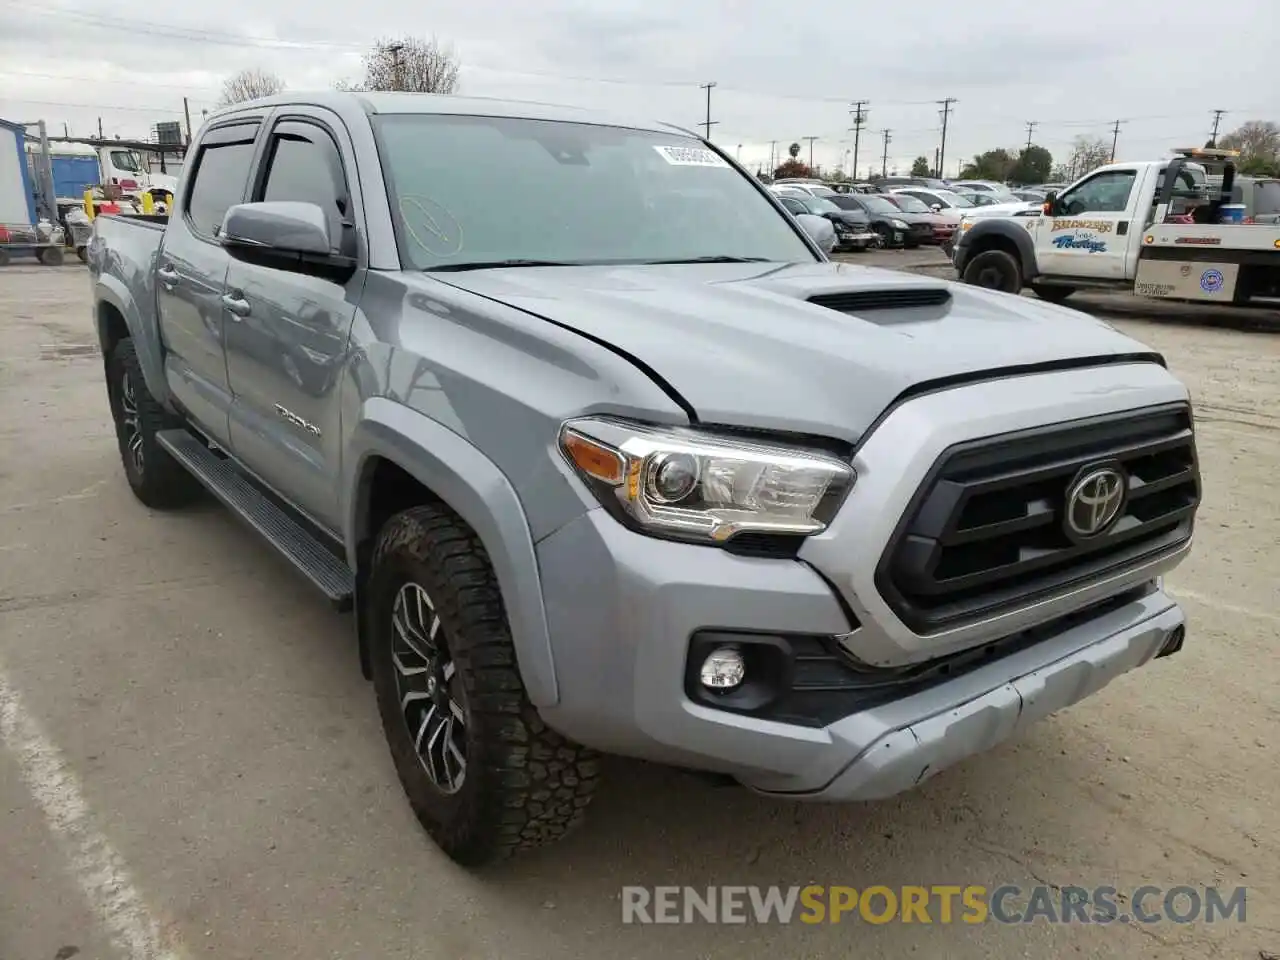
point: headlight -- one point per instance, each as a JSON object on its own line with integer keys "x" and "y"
{"x": 690, "y": 485}
{"x": 898, "y": 224}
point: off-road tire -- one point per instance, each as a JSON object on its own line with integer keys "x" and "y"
{"x": 525, "y": 785}
{"x": 994, "y": 270}
{"x": 1052, "y": 292}
{"x": 160, "y": 482}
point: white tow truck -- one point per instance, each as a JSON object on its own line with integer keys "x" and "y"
{"x": 1156, "y": 228}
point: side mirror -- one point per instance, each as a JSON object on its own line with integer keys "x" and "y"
{"x": 820, "y": 230}
{"x": 935, "y": 207}
{"x": 1050, "y": 202}
{"x": 285, "y": 235}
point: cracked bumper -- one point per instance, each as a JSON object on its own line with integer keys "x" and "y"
{"x": 897, "y": 747}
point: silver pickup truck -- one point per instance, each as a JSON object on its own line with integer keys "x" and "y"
{"x": 606, "y": 456}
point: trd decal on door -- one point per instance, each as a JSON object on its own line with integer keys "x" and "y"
{"x": 290, "y": 417}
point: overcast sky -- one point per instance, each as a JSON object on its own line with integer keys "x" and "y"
{"x": 783, "y": 71}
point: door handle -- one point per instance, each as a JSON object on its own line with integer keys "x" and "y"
{"x": 238, "y": 306}
{"x": 168, "y": 276}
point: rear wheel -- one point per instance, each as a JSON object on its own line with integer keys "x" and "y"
{"x": 155, "y": 477}
{"x": 1051, "y": 292}
{"x": 995, "y": 270}
{"x": 485, "y": 776}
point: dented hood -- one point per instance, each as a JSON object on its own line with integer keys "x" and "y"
{"x": 741, "y": 344}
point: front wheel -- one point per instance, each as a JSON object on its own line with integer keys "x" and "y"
{"x": 485, "y": 776}
{"x": 1052, "y": 292}
{"x": 995, "y": 270}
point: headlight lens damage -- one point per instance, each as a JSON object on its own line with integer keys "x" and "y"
{"x": 698, "y": 486}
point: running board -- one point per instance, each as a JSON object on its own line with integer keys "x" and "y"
{"x": 292, "y": 540}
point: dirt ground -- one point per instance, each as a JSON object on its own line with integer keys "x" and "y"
{"x": 191, "y": 765}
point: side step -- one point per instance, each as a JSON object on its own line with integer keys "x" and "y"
{"x": 293, "y": 541}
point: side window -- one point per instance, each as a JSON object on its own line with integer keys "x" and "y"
{"x": 305, "y": 166}
{"x": 928, "y": 198}
{"x": 222, "y": 171}
{"x": 794, "y": 206}
{"x": 1106, "y": 193}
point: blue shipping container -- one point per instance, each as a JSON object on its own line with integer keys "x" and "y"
{"x": 72, "y": 176}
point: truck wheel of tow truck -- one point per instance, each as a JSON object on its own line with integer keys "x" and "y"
{"x": 995, "y": 270}
{"x": 485, "y": 776}
{"x": 1052, "y": 292}
{"x": 154, "y": 476}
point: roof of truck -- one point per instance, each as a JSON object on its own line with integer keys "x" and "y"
{"x": 428, "y": 103}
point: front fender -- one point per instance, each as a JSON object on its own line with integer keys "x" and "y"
{"x": 474, "y": 488}
{"x": 109, "y": 290}
{"x": 998, "y": 232}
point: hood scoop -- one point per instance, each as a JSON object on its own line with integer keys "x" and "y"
{"x": 886, "y": 298}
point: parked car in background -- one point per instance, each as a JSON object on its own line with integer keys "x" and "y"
{"x": 938, "y": 200}
{"x": 1030, "y": 194}
{"x": 853, "y": 228}
{"x": 944, "y": 224}
{"x": 929, "y": 183}
{"x": 811, "y": 189}
{"x": 990, "y": 187}
{"x": 897, "y": 227}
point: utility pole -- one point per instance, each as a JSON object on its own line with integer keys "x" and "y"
{"x": 884, "y": 158}
{"x": 946, "y": 114}
{"x": 810, "y": 139}
{"x": 1031, "y": 126}
{"x": 1217, "y": 119}
{"x": 100, "y": 127}
{"x": 1115, "y": 137}
{"x": 397, "y": 80}
{"x": 186, "y": 111}
{"x": 859, "y": 121}
{"x": 708, "y": 123}
{"x": 773, "y": 163}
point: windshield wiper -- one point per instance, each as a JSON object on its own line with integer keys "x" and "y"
{"x": 712, "y": 259}
{"x": 496, "y": 264}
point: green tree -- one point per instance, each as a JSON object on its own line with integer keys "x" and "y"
{"x": 920, "y": 167}
{"x": 792, "y": 168}
{"x": 1034, "y": 164}
{"x": 991, "y": 165}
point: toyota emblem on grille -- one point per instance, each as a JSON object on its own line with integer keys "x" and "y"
{"x": 1095, "y": 500}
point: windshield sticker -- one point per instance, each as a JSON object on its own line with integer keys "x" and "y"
{"x": 1099, "y": 226}
{"x": 691, "y": 157}
{"x": 1080, "y": 241}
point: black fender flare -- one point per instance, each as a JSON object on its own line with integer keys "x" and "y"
{"x": 999, "y": 233}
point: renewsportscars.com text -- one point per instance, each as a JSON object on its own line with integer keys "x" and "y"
{"x": 938, "y": 904}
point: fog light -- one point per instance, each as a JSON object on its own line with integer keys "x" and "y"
{"x": 723, "y": 669}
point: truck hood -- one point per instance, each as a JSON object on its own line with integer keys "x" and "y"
{"x": 742, "y": 346}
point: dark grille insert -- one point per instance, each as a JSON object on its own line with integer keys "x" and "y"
{"x": 985, "y": 532}
{"x": 857, "y": 301}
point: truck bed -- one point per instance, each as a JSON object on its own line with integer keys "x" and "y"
{"x": 1247, "y": 236}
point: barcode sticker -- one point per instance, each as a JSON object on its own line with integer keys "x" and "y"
{"x": 691, "y": 157}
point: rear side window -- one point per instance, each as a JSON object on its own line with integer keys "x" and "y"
{"x": 221, "y": 174}
{"x": 305, "y": 166}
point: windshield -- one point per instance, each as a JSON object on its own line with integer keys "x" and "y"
{"x": 820, "y": 205}
{"x": 953, "y": 198}
{"x": 571, "y": 193}
{"x": 911, "y": 204}
{"x": 879, "y": 205}
{"x": 823, "y": 192}
{"x": 126, "y": 160}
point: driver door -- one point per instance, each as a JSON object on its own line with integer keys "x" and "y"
{"x": 1088, "y": 234}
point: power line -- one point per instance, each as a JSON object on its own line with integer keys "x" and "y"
{"x": 709, "y": 122}
{"x": 942, "y": 149}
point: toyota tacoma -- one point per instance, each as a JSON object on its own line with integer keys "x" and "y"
{"x": 621, "y": 463}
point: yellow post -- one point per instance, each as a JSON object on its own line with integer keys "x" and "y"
{"x": 88, "y": 204}
{"x": 148, "y": 203}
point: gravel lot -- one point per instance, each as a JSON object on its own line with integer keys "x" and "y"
{"x": 186, "y": 742}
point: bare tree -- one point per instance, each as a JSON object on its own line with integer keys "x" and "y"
{"x": 409, "y": 63}
{"x": 1088, "y": 153}
{"x": 1259, "y": 144}
{"x": 250, "y": 85}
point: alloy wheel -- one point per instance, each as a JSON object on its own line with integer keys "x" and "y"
{"x": 432, "y": 702}
{"x": 129, "y": 421}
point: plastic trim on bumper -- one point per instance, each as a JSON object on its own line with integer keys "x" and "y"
{"x": 913, "y": 751}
